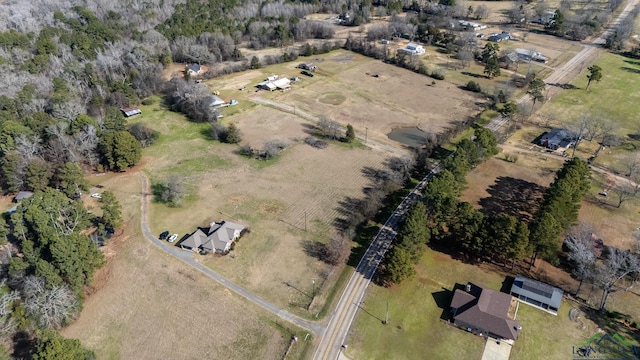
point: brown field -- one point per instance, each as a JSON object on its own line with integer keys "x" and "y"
{"x": 146, "y": 305}
{"x": 515, "y": 188}
{"x": 345, "y": 90}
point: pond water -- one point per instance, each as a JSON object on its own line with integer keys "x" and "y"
{"x": 410, "y": 136}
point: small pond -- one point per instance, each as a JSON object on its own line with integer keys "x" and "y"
{"x": 410, "y": 136}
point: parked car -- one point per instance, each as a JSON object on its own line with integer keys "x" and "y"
{"x": 96, "y": 196}
{"x": 305, "y": 72}
{"x": 164, "y": 235}
{"x": 173, "y": 238}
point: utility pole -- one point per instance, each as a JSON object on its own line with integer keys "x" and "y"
{"x": 313, "y": 282}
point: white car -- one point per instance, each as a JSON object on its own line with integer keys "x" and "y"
{"x": 96, "y": 196}
{"x": 173, "y": 238}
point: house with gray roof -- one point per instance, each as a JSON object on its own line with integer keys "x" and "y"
{"x": 22, "y": 195}
{"x": 218, "y": 237}
{"x": 538, "y": 294}
{"x": 558, "y": 139}
{"x": 485, "y": 312}
{"x": 194, "y": 69}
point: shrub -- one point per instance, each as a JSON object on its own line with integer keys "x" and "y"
{"x": 474, "y": 86}
{"x": 437, "y": 74}
{"x": 147, "y": 101}
{"x": 316, "y": 143}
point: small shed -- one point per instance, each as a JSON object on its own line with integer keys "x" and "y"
{"x": 130, "y": 111}
{"x": 308, "y": 66}
{"x": 22, "y": 195}
{"x": 214, "y": 101}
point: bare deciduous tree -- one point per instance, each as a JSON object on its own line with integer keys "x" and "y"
{"x": 614, "y": 269}
{"x": 51, "y": 307}
{"x": 579, "y": 241}
{"x": 336, "y": 249}
{"x": 173, "y": 190}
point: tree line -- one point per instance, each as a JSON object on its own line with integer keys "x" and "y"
{"x": 442, "y": 219}
{"x": 47, "y": 260}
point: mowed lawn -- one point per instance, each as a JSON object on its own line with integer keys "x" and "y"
{"x": 416, "y": 330}
{"x": 144, "y": 304}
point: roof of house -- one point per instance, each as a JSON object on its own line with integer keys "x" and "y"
{"x": 559, "y": 137}
{"x": 130, "y": 111}
{"x": 486, "y": 309}
{"x": 216, "y": 238}
{"x": 23, "y": 195}
{"x": 413, "y": 46}
{"x": 537, "y": 290}
{"x": 282, "y": 83}
{"x": 499, "y": 37}
{"x": 214, "y": 100}
{"x": 531, "y": 54}
{"x": 194, "y": 67}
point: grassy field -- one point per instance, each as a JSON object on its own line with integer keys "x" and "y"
{"x": 146, "y": 305}
{"x": 415, "y": 324}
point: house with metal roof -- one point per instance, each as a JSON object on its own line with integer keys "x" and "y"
{"x": 130, "y": 111}
{"x": 558, "y": 138}
{"x": 218, "y": 237}
{"x": 499, "y": 37}
{"x": 214, "y": 101}
{"x": 485, "y": 312}
{"x": 538, "y": 294}
{"x": 413, "y": 49}
{"x": 194, "y": 69}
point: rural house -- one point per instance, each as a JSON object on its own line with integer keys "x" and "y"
{"x": 499, "y": 37}
{"x": 308, "y": 66}
{"x": 130, "y": 111}
{"x": 558, "y": 139}
{"x": 22, "y": 195}
{"x": 413, "y": 49}
{"x": 528, "y": 55}
{"x": 218, "y": 237}
{"x": 538, "y": 294}
{"x": 275, "y": 83}
{"x": 485, "y": 312}
{"x": 193, "y": 69}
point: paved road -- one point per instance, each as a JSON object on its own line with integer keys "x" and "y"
{"x": 571, "y": 69}
{"x": 188, "y": 258}
{"x": 345, "y": 311}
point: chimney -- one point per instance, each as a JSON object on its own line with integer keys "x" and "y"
{"x": 468, "y": 287}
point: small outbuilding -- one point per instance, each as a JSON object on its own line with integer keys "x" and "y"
{"x": 214, "y": 101}
{"x": 528, "y": 55}
{"x": 538, "y": 294}
{"x": 130, "y": 111}
{"x": 22, "y": 195}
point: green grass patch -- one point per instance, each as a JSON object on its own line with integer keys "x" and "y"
{"x": 615, "y": 98}
{"x": 545, "y": 336}
{"x": 415, "y": 311}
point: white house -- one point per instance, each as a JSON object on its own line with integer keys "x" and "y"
{"x": 413, "y": 49}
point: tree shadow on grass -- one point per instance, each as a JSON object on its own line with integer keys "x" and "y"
{"x": 315, "y": 249}
{"x": 512, "y": 196}
{"x": 631, "y": 70}
{"x": 613, "y": 322}
{"x": 443, "y": 301}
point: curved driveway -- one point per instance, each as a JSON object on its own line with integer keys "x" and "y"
{"x": 188, "y": 258}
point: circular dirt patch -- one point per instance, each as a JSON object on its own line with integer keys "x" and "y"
{"x": 332, "y": 98}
